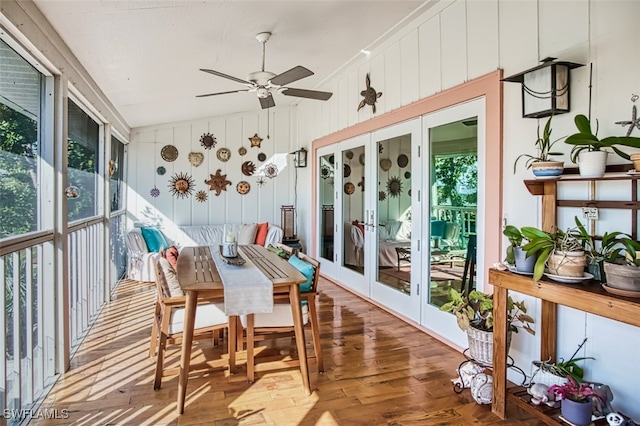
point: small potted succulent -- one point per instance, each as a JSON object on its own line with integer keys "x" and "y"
{"x": 542, "y": 165}
{"x": 576, "y": 405}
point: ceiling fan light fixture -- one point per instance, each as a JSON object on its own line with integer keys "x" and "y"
{"x": 263, "y": 92}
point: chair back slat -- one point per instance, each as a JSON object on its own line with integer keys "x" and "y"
{"x": 316, "y": 270}
{"x": 161, "y": 281}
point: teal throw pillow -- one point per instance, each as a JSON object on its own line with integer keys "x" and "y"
{"x": 306, "y": 270}
{"x": 154, "y": 238}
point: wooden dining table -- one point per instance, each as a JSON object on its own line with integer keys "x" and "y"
{"x": 198, "y": 276}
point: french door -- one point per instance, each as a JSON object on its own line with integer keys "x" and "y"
{"x": 370, "y": 215}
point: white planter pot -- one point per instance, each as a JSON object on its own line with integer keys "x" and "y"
{"x": 592, "y": 164}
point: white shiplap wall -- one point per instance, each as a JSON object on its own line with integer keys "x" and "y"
{"x": 456, "y": 41}
{"x": 259, "y": 205}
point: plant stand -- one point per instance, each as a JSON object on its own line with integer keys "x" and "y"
{"x": 460, "y": 385}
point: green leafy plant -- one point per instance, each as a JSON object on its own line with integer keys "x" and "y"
{"x": 587, "y": 140}
{"x": 545, "y": 243}
{"x": 476, "y": 310}
{"x": 578, "y": 392}
{"x": 631, "y": 249}
{"x": 516, "y": 239}
{"x": 543, "y": 144}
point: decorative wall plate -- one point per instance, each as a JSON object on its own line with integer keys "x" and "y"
{"x": 242, "y": 151}
{"x": 349, "y": 188}
{"x": 112, "y": 167}
{"x": 218, "y": 182}
{"x": 201, "y": 196}
{"x": 181, "y": 185}
{"x": 394, "y": 187}
{"x": 348, "y": 154}
{"x": 407, "y": 175}
{"x": 271, "y": 170}
{"x": 248, "y": 168}
{"x": 385, "y": 164}
{"x": 262, "y": 156}
{"x": 255, "y": 140}
{"x": 243, "y": 187}
{"x": 347, "y": 170}
{"x": 403, "y": 160}
{"x": 325, "y": 172}
{"x": 361, "y": 159}
{"x": 223, "y": 154}
{"x": 331, "y": 159}
{"x": 169, "y": 153}
{"x": 161, "y": 170}
{"x": 208, "y": 141}
{"x": 196, "y": 158}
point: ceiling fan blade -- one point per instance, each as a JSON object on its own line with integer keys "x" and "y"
{"x": 219, "y": 74}
{"x": 222, "y": 93}
{"x": 294, "y": 74}
{"x": 311, "y": 94}
{"x": 267, "y": 102}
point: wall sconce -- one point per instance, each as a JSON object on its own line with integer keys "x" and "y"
{"x": 287, "y": 221}
{"x": 300, "y": 158}
{"x": 545, "y": 88}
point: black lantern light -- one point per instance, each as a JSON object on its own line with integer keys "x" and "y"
{"x": 287, "y": 221}
{"x": 300, "y": 158}
{"x": 545, "y": 88}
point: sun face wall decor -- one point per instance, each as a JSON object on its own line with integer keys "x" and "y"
{"x": 208, "y": 141}
{"x": 201, "y": 196}
{"x": 181, "y": 185}
{"x": 218, "y": 182}
{"x": 255, "y": 140}
{"x": 394, "y": 186}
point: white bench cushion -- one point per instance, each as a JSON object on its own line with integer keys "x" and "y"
{"x": 206, "y": 316}
{"x": 280, "y": 317}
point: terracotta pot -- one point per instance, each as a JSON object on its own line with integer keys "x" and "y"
{"x": 567, "y": 264}
{"x": 623, "y": 277}
{"x": 578, "y": 413}
{"x": 636, "y": 161}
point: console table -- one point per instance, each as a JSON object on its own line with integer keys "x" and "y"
{"x": 588, "y": 297}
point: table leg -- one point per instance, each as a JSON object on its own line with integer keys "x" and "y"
{"x": 294, "y": 297}
{"x": 233, "y": 343}
{"x": 187, "y": 340}
{"x": 499, "y": 352}
{"x": 251, "y": 362}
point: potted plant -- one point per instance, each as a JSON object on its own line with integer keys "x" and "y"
{"x": 557, "y": 373}
{"x": 588, "y": 150}
{"x": 516, "y": 255}
{"x": 624, "y": 272}
{"x": 561, "y": 252}
{"x": 542, "y": 164}
{"x": 576, "y": 405}
{"x": 599, "y": 250}
{"x": 474, "y": 314}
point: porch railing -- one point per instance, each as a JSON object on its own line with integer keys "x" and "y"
{"x": 464, "y": 216}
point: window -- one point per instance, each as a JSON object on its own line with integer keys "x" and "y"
{"x": 116, "y": 174}
{"x": 83, "y": 141}
{"x": 21, "y": 88}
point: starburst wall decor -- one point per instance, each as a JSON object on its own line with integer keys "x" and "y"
{"x": 201, "y": 196}
{"x": 155, "y": 192}
{"x": 181, "y": 185}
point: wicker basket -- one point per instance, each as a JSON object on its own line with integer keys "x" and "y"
{"x": 539, "y": 375}
{"x": 481, "y": 345}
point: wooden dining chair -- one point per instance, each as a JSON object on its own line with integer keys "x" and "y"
{"x": 168, "y": 320}
{"x": 259, "y": 327}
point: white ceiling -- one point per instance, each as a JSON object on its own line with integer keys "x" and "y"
{"x": 146, "y": 54}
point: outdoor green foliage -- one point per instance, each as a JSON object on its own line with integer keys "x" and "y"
{"x": 82, "y": 169}
{"x": 18, "y": 168}
{"x": 543, "y": 144}
{"x": 454, "y": 172}
{"x": 476, "y": 310}
{"x": 586, "y": 139}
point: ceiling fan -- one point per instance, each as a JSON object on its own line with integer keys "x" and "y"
{"x": 264, "y": 82}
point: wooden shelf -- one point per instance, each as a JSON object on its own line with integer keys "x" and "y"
{"x": 536, "y": 186}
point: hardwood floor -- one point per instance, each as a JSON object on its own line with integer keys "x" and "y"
{"x": 379, "y": 371}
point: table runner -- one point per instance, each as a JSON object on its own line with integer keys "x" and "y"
{"x": 246, "y": 289}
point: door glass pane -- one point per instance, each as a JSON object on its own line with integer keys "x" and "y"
{"x": 394, "y": 213}
{"x": 454, "y": 190}
{"x": 116, "y": 174}
{"x": 353, "y": 208}
{"x": 326, "y": 185}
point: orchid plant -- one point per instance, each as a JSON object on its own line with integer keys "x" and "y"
{"x": 578, "y": 392}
